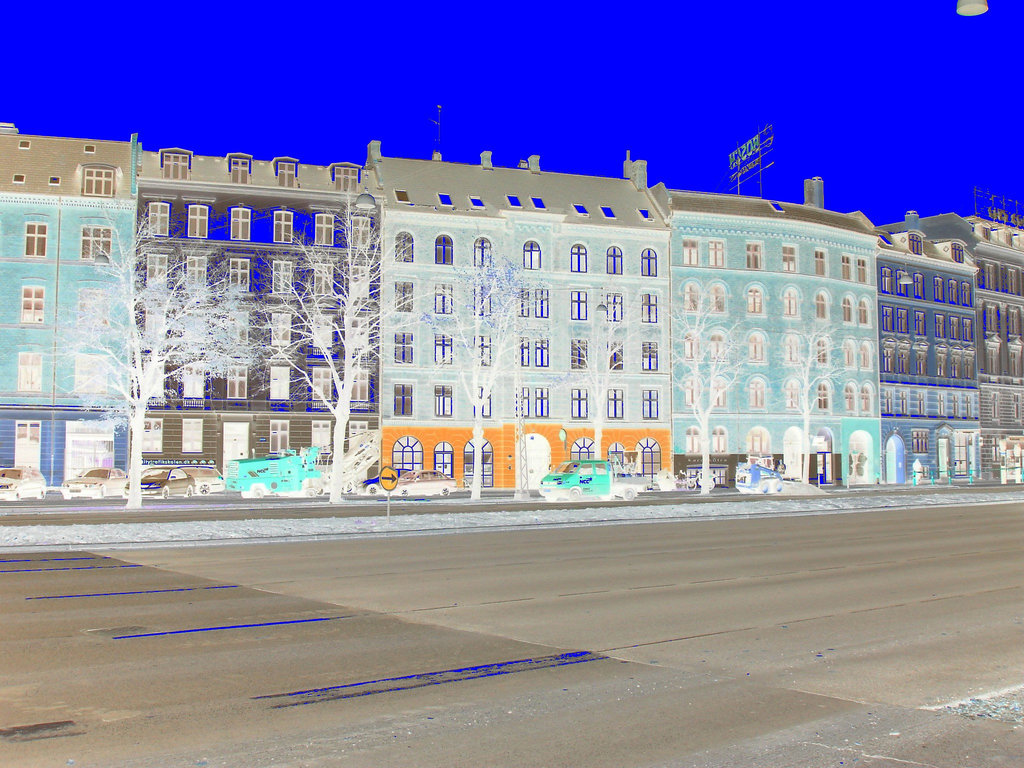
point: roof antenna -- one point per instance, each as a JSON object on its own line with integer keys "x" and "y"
{"x": 437, "y": 141}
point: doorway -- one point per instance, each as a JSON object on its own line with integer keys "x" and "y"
{"x": 236, "y": 442}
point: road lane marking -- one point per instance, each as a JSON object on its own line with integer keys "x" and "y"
{"x": 229, "y": 626}
{"x": 53, "y": 559}
{"x": 138, "y": 592}
{"x": 408, "y": 682}
{"x": 69, "y": 568}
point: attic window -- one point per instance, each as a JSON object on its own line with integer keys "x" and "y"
{"x": 513, "y": 200}
{"x": 538, "y": 203}
{"x": 644, "y": 214}
{"x": 54, "y": 181}
{"x": 445, "y": 199}
{"x": 958, "y": 253}
{"x": 581, "y": 209}
{"x": 19, "y": 178}
{"x": 776, "y": 206}
{"x": 24, "y": 144}
{"x": 885, "y": 239}
{"x": 401, "y": 196}
{"x": 90, "y": 149}
{"x": 476, "y": 202}
{"x": 608, "y": 212}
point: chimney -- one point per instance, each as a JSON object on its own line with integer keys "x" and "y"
{"x": 627, "y": 167}
{"x": 485, "y": 160}
{"x": 533, "y": 161}
{"x": 8, "y": 128}
{"x": 523, "y": 164}
{"x": 638, "y": 174}
{"x": 814, "y": 192}
{"x": 436, "y": 156}
{"x": 913, "y": 221}
{"x": 374, "y": 161}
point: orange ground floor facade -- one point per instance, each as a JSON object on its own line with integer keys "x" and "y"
{"x": 449, "y": 448}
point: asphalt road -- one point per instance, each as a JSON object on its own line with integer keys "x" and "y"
{"x": 782, "y": 643}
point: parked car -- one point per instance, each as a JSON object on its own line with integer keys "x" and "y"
{"x": 165, "y": 482}
{"x": 752, "y": 477}
{"x": 371, "y": 487}
{"x": 590, "y": 478}
{"x": 424, "y": 482}
{"x": 207, "y": 479}
{"x": 95, "y": 483}
{"x": 19, "y": 483}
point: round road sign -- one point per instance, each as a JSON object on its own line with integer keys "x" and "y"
{"x": 388, "y": 478}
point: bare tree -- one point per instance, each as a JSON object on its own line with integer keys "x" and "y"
{"x": 156, "y": 308}
{"x": 321, "y": 321}
{"x": 479, "y": 336}
{"x": 705, "y": 363}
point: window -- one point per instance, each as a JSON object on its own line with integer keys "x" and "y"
{"x": 824, "y": 397}
{"x": 238, "y": 273}
{"x": 483, "y": 346}
{"x": 940, "y": 326}
{"x": 789, "y": 258}
{"x": 97, "y": 241}
{"x": 791, "y": 347}
{"x": 323, "y": 384}
{"x": 755, "y": 348}
{"x": 616, "y": 358}
{"x": 443, "y": 349}
{"x": 648, "y": 263}
{"x": 862, "y": 312}
{"x": 613, "y": 307}
{"x": 159, "y": 219}
{"x": 650, "y": 403}
{"x": 191, "y": 435}
{"x": 403, "y": 348}
{"x": 281, "y": 276}
{"x": 820, "y": 268}
{"x": 938, "y": 290}
{"x": 951, "y": 292}
{"x": 968, "y": 329}
{"x": 32, "y": 304}
{"x": 444, "y": 459}
{"x": 443, "y": 302}
{"x": 918, "y": 285}
{"x": 919, "y": 442}
{"x": 613, "y": 261}
{"x": 156, "y": 267}
{"x": 755, "y": 393}
{"x": 403, "y": 400}
{"x": 278, "y": 436}
{"x": 283, "y": 221}
{"x": 790, "y": 303}
{"x": 716, "y": 253}
{"x": 607, "y": 212}
{"x": 175, "y": 165}
{"x": 531, "y": 256}
{"x": 691, "y": 297}
{"x": 443, "y": 250}
{"x": 648, "y": 356}
{"x": 324, "y": 229}
{"x": 581, "y": 209}
{"x": 285, "y": 174}
{"x": 404, "y": 247}
{"x": 238, "y": 383}
{"x": 578, "y": 258}
{"x": 35, "y": 239}
{"x": 691, "y": 253}
{"x": 902, "y": 279}
{"x": 524, "y": 352}
{"x": 239, "y": 167}
{"x": 541, "y": 348}
{"x": 915, "y": 244}
{"x": 821, "y": 306}
{"x": 580, "y": 408}
{"x": 885, "y": 284}
{"x": 241, "y": 223}
{"x": 98, "y": 182}
{"x": 578, "y": 305}
{"x": 719, "y": 440}
{"x": 30, "y": 372}
{"x": 965, "y": 295}
{"x": 281, "y": 329}
{"x": 754, "y": 260}
{"x": 540, "y": 402}
{"x": 847, "y": 267}
{"x": 848, "y": 354}
{"x": 541, "y": 307}
{"x": 792, "y": 393}
{"x": 958, "y": 253}
{"x": 822, "y": 351}
{"x": 862, "y": 269}
{"x": 648, "y": 308}
{"x": 445, "y": 199}
{"x": 153, "y": 436}
{"x": 198, "y": 221}
{"x": 578, "y": 359}
{"x": 615, "y": 404}
{"x": 901, "y": 320}
{"x": 717, "y": 296}
{"x": 755, "y": 302}
{"x": 888, "y": 359}
{"x": 482, "y": 252}
{"x": 847, "y": 310}
{"x": 279, "y": 382}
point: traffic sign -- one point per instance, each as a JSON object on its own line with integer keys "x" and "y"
{"x": 388, "y": 479}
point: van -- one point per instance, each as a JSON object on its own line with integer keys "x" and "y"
{"x": 588, "y": 478}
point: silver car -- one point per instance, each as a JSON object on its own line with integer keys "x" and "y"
{"x": 95, "y": 483}
{"x": 207, "y": 479}
{"x": 19, "y": 483}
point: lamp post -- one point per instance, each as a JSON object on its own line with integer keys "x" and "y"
{"x": 971, "y": 7}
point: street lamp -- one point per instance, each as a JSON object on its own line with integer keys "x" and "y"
{"x": 971, "y": 7}
{"x": 365, "y": 202}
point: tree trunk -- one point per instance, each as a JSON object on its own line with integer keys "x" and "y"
{"x": 337, "y": 486}
{"x": 705, "y": 458}
{"x": 478, "y": 455}
{"x": 807, "y": 450}
{"x": 136, "y": 430}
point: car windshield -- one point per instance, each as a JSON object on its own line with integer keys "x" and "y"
{"x": 568, "y": 468}
{"x": 13, "y": 474}
{"x": 94, "y": 473}
{"x": 154, "y": 474}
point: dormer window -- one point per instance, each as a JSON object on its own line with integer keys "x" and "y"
{"x": 286, "y": 173}
{"x": 346, "y": 179}
{"x": 957, "y": 253}
{"x": 175, "y": 165}
{"x": 98, "y": 182}
{"x": 915, "y": 244}
{"x": 402, "y": 196}
{"x": 513, "y": 200}
{"x": 240, "y": 168}
{"x": 581, "y": 209}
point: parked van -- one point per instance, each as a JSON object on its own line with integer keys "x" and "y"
{"x": 589, "y": 478}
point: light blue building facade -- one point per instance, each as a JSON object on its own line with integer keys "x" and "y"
{"x": 780, "y": 273}
{"x": 62, "y": 202}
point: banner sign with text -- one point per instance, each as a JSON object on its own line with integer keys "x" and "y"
{"x": 997, "y": 208}
{"x": 748, "y": 158}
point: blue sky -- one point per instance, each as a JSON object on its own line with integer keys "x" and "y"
{"x": 897, "y": 104}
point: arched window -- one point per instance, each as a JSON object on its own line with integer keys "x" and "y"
{"x": 487, "y": 454}
{"x": 755, "y": 348}
{"x": 849, "y": 354}
{"x": 719, "y": 440}
{"x": 482, "y": 252}
{"x": 821, "y": 351}
{"x": 755, "y": 393}
{"x": 759, "y": 442}
{"x": 693, "y": 440}
{"x": 613, "y": 263}
{"x": 755, "y": 303}
{"x": 718, "y": 390}
{"x": 648, "y": 263}
{"x": 790, "y": 303}
{"x": 862, "y": 313}
{"x": 717, "y": 346}
{"x": 443, "y": 250}
{"x": 865, "y": 398}
{"x": 824, "y": 396}
{"x": 847, "y": 310}
{"x": 617, "y": 454}
{"x": 407, "y": 453}
{"x": 821, "y": 306}
{"x": 915, "y": 244}
{"x": 531, "y": 256}
{"x": 865, "y": 355}
{"x": 650, "y": 456}
{"x": 690, "y": 391}
{"x": 578, "y": 258}
{"x": 582, "y": 448}
{"x": 717, "y": 298}
{"x": 691, "y": 297}
{"x": 691, "y": 347}
{"x": 850, "y": 396}
{"x": 791, "y": 346}
{"x": 404, "y": 247}
{"x": 792, "y": 391}
{"x": 444, "y": 459}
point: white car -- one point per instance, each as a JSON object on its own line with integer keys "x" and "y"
{"x": 207, "y": 479}
{"x": 424, "y": 482}
{"x": 95, "y": 483}
{"x": 20, "y": 483}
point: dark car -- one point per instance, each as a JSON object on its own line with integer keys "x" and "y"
{"x": 166, "y": 482}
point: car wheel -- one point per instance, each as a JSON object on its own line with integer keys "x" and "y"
{"x": 258, "y": 492}
{"x": 629, "y": 494}
{"x": 103, "y": 492}
{"x": 575, "y": 494}
{"x": 188, "y": 490}
{"x": 166, "y": 492}
{"x": 204, "y": 489}
{"x": 445, "y": 491}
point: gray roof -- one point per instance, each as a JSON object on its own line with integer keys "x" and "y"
{"x": 216, "y": 169}
{"x": 42, "y": 158}
{"x": 423, "y": 180}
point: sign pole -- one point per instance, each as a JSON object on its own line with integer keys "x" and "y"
{"x": 388, "y": 480}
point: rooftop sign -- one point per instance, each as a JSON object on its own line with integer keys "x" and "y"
{"x": 997, "y": 208}
{"x": 748, "y": 158}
